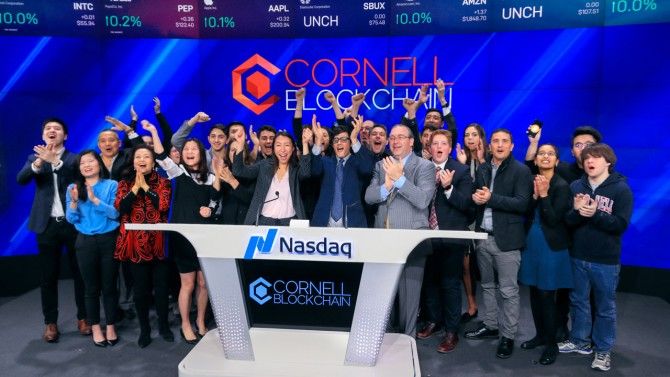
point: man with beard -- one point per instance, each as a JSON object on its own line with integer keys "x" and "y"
{"x": 262, "y": 142}
{"x": 503, "y": 192}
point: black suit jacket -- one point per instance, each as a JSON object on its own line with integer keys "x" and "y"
{"x": 553, "y": 210}
{"x": 263, "y": 171}
{"x": 123, "y": 160}
{"x": 458, "y": 211}
{"x": 44, "y": 188}
{"x": 512, "y": 193}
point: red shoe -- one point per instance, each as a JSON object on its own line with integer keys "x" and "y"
{"x": 449, "y": 343}
{"x": 428, "y": 330}
{"x": 51, "y": 333}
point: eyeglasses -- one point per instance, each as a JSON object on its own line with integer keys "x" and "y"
{"x": 342, "y": 139}
{"x": 548, "y": 154}
{"x": 398, "y": 137}
{"x": 582, "y": 145}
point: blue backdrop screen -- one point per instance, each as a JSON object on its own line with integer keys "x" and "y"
{"x": 614, "y": 78}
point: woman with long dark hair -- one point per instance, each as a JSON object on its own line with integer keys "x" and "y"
{"x": 144, "y": 197}
{"x": 545, "y": 263}
{"x": 473, "y": 154}
{"x": 196, "y": 193}
{"x": 90, "y": 208}
{"x": 276, "y": 198}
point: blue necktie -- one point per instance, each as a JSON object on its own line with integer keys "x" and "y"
{"x": 336, "y": 211}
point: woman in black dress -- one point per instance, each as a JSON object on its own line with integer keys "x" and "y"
{"x": 196, "y": 192}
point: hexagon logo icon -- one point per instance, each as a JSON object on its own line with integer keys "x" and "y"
{"x": 258, "y": 291}
{"x": 256, "y": 84}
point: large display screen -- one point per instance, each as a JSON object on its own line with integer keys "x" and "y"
{"x": 598, "y": 63}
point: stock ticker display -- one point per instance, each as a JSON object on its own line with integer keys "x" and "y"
{"x": 313, "y": 18}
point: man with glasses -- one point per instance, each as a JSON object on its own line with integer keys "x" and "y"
{"x": 344, "y": 176}
{"x": 403, "y": 185}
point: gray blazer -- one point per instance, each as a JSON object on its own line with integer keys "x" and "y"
{"x": 408, "y": 207}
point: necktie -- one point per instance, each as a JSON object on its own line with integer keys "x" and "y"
{"x": 336, "y": 211}
{"x": 432, "y": 217}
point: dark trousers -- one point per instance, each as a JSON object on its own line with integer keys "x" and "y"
{"x": 442, "y": 284}
{"x": 262, "y": 220}
{"x": 99, "y": 269}
{"x": 544, "y": 309}
{"x": 146, "y": 275}
{"x": 58, "y": 234}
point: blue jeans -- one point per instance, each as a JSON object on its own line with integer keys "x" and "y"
{"x": 603, "y": 279}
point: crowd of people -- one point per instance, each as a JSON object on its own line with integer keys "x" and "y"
{"x": 552, "y": 225}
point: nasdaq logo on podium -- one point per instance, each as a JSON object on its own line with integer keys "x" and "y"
{"x": 293, "y": 245}
{"x": 300, "y": 292}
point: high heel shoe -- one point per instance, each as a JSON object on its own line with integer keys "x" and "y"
{"x": 198, "y": 333}
{"x": 112, "y": 342}
{"x": 189, "y": 341}
{"x": 102, "y": 343}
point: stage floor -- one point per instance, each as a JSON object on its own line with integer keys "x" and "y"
{"x": 642, "y": 345}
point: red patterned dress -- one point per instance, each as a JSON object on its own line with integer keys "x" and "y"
{"x": 144, "y": 208}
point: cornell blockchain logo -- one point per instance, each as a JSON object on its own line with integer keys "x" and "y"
{"x": 258, "y": 291}
{"x": 300, "y": 292}
{"x": 255, "y": 84}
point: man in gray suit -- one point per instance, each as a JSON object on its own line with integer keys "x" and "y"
{"x": 403, "y": 185}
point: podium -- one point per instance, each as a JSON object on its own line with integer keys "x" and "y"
{"x": 237, "y": 349}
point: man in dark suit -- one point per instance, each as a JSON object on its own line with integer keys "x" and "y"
{"x": 503, "y": 191}
{"x": 53, "y": 168}
{"x": 403, "y": 186}
{"x": 451, "y": 209}
{"x": 116, "y": 162}
{"x": 344, "y": 177}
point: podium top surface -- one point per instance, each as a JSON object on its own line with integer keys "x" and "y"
{"x": 362, "y": 245}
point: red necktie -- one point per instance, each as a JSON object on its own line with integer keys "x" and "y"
{"x": 432, "y": 217}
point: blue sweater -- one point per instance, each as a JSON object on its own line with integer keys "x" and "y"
{"x": 90, "y": 219}
{"x": 597, "y": 239}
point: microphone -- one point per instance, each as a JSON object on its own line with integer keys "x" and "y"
{"x": 346, "y": 210}
{"x": 258, "y": 213}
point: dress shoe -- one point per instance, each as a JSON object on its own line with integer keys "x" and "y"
{"x": 549, "y": 354}
{"x": 189, "y": 341}
{"x": 467, "y": 317}
{"x": 112, "y": 342}
{"x": 430, "y": 329}
{"x": 144, "y": 339}
{"x": 533, "y": 343}
{"x": 166, "y": 334}
{"x": 449, "y": 343}
{"x": 84, "y": 328}
{"x": 102, "y": 343}
{"x": 51, "y": 333}
{"x": 482, "y": 332}
{"x": 505, "y": 348}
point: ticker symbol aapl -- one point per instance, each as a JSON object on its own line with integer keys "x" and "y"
{"x": 257, "y": 84}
